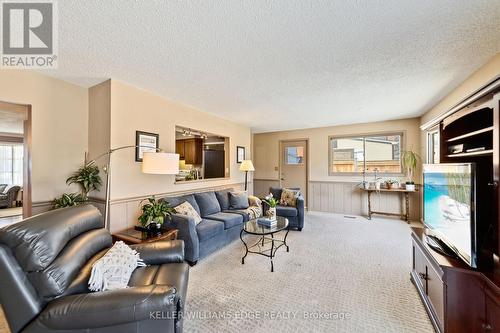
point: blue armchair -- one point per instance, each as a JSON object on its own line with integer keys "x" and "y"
{"x": 295, "y": 215}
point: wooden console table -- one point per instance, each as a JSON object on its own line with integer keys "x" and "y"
{"x": 406, "y": 193}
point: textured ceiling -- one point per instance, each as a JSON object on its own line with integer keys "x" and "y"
{"x": 276, "y": 65}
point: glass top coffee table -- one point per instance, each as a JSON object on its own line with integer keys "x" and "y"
{"x": 267, "y": 236}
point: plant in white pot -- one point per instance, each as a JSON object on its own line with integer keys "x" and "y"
{"x": 410, "y": 161}
{"x": 272, "y": 202}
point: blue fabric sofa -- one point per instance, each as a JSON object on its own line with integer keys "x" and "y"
{"x": 295, "y": 215}
{"x": 220, "y": 223}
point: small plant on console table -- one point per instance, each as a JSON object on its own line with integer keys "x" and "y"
{"x": 390, "y": 183}
{"x": 272, "y": 202}
{"x": 410, "y": 160}
{"x": 154, "y": 213}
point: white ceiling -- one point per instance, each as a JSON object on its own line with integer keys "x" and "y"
{"x": 276, "y": 65}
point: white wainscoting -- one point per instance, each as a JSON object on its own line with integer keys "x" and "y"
{"x": 347, "y": 198}
{"x": 123, "y": 213}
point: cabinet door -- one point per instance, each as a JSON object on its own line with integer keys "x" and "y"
{"x": 193, "y": 151}
{"x": 465, "y": 301}
{"x": 492, "y": 323}
{"x": 419, "y": 267}
{"x": 179, "y": 148}
{"x": 435, "y": 292}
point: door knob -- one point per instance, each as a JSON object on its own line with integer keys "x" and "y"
{"x": 422, "y": 276}
{"x": 282, "y": 178}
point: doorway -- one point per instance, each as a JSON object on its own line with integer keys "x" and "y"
{"x": 293, "y": 165}
{"x": 15, "y": 162}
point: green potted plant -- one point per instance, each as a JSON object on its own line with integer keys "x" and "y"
{"x": 154, "y": 213}
{"x": 87, "y": 177}
{"x": 390, "y": 183}
{"x": 410, "y": 160}
{"x": 67, "y": 200}
{"x": 272, "y": 202}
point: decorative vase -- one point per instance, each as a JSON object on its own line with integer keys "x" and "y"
{"x": 377, "y": 185}
{"x": 388, "y": 185}
{"x": 271, "y": 213}
{"x": 366, "y": 185}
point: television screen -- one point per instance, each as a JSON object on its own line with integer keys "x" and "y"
{"x": 449, "y": 199}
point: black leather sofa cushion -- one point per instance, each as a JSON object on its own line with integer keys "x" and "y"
{"x": 36, "y": 245}
{"x": 53, "y": 281}
{"x": 93, "y": 310}
{"x": 208, "y": 203}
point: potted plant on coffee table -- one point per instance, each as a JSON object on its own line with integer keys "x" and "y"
{"x": 272, "y": 202}
{"x": 410, "y": 160}
{"x": 154, "y": 213}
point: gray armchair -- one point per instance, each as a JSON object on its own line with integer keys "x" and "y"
{"x": 8, "y": 196}
{"x": 45, "y": 265}
{"x": 295, "y": 215}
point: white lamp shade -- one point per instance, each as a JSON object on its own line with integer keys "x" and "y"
{"x": 247, "y": 165}
{"x": 160, "y": 163}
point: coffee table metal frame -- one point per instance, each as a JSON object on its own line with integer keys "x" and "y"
{"x": 266, "y": 237}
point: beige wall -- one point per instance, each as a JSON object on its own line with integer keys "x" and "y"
{"x": 60, "y": 125}
{"x": 99, "y": 138}
{"x": 337, "y": 194}
{"x": 474, "y": 82}
{"x": 135, "y": 109}
{"x": 266, "y": 146}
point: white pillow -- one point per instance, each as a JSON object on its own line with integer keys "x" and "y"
{"x": 114, "y": 269}
{"x": 186, "y": 209}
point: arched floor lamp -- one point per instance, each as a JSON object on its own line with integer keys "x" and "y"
{"x": 158, "y": 162}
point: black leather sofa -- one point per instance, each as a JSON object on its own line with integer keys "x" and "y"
{"x": 45, "y": 265}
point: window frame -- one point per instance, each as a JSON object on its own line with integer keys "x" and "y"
{"x": 12, "y": 159}
{"x": 430, "y": 148}
{"x": 364, "y": 135}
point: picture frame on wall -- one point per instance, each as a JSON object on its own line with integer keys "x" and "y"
{"x": 145, "y": 142}
{"x": 240, "y": 154}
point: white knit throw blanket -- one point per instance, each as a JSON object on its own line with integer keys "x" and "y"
{"x": 114, "y": 269}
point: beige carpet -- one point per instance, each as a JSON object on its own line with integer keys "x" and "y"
{"x": 337, "y": 268}
{"x": 341, "y": 275}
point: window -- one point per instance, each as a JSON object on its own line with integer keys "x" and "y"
{"x": 381, "y": 153}
{"x": 294, "y": 155}
{"x": 11, "y": 164}
{"x": 433, "y": 146}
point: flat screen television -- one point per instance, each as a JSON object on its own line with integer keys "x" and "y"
{"x": 449, "y": 207}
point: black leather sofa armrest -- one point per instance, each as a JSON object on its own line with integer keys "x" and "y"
{"x": 108, "y": 308}
{"x": 161, "y": 252}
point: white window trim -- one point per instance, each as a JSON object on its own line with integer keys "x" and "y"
{"x": 364, "y": 135}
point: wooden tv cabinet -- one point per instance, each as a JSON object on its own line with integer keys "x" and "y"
{"x": 456, "y": 297}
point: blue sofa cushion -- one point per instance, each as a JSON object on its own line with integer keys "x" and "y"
{"x": 208, "y": 203}
{"x": 207, "y": 229}
{"x": 286, "y": 211}
{"x": 223, "y": 197}
{"x": 242, "y": 212}
{"x": 176, "y": 201}
{"x": 238, "y": 200}
{"x": 230, "y": 220}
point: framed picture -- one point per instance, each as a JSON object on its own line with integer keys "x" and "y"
{"x": 240, "y": 154}
{"x": 146, "y": 142}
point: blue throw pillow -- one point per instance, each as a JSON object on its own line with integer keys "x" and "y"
{"x": 207, "y": 202}
{"x": 223, "y": 197}
{"x": 238, "y": 200}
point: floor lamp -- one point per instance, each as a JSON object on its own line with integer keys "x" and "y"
{"x": 157, "y": 162}
{"x": 246, "y": 166}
